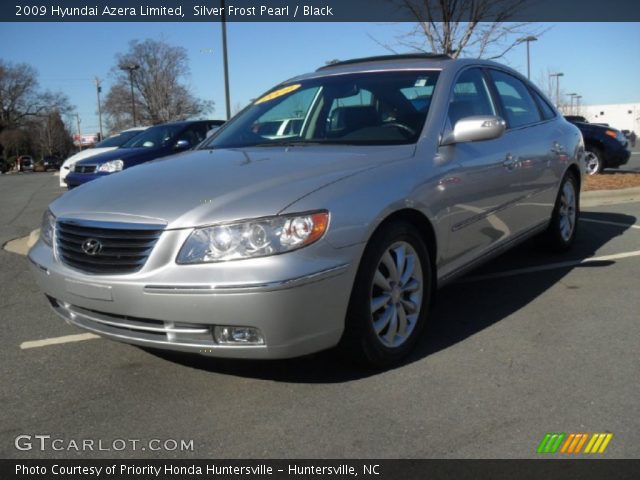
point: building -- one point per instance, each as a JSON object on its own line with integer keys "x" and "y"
{"x": 623, "y": 116}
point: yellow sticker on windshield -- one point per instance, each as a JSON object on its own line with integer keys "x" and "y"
{"x": 278, "y": 93}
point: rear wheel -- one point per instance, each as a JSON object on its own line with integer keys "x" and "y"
{"x": 390, "y": 297}
{"x": 561, "y": 232}
{"x": 593, "y": 163}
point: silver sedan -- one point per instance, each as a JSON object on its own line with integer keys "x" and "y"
{"x": 393, "y": 176}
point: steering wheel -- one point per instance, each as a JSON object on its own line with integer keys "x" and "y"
{"x": 400, "y": 126}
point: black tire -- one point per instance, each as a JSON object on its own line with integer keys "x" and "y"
{"x": 553, "y": 237}
{"x": 360, "y": 341}
{"x": 593, "y": 156}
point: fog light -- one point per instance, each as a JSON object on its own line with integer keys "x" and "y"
{"x": 238, "y": 336}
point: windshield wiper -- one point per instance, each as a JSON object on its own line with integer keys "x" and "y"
{"x": 287, "y": 143}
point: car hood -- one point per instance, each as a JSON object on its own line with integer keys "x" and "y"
{"x": 123, "y": 154}
{"x": 89, "y": 152}
{"x": 208, "y": 186}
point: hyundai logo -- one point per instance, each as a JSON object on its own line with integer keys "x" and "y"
{"x": 91, "y": 246}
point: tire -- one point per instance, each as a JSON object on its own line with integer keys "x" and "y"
{"x": 593, "y": 161}
{"x": 383, "y": 301}
{"x": 561, "y": 233}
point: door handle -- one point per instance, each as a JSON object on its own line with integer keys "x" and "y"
{"x": 509, "y": 162}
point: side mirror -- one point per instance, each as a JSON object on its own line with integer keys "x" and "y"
{"x": 475, "y": 128}
{"x": 182, "y": 145}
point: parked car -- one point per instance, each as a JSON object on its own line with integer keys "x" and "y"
{"x": 25, "y": 163}
{"x": 108, "y": 144}
{"x": 605, "y": 147}
{"x": 4, "y": 166}
{"x": 576, "y": 118}
{"x": 155, "y": 142}
{"x": 51, "y": 163}
{"x": 259, "y": 247}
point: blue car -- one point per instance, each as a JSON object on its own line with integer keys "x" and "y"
{"x": 155, "y": 142}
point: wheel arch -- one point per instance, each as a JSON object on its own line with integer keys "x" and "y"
{"x": 424, "y": 226}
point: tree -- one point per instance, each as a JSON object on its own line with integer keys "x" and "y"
{"x": 21, "y": 98}
{"x": 54, "y": 138}
{"x": 475, "y": 28}
{"x": 160, "y": 89}
{"x": 24, "y": 108}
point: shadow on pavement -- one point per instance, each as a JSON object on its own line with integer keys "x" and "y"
{"x": 462, "y": 309}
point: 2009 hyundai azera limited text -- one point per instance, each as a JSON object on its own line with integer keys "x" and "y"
{"x": 393, "y": 176}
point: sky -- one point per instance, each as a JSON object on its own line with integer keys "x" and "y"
{"x": 600, "y": 61}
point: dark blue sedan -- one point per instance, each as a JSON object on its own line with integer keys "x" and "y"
{"x": 155, "y": 142}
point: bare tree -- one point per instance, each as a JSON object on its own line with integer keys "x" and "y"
{"x": 53, "y": 136}
{"x": 21, "y": 98}
{"x": 473, "y": 28}
{"x": 160, "y": 86}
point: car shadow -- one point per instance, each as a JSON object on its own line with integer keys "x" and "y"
{"x": 464, "y": 308}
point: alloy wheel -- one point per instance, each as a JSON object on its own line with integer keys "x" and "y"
{"x": 396, "y": 294}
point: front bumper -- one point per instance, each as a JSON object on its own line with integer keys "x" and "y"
{"x": 74, "y": 179}
{"x": 616, "y": 156}
{"x": 297, "y": 314}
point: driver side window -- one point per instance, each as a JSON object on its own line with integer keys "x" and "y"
{"x": 470, "y": 97}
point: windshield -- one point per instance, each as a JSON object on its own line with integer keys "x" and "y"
{"x": 381, "y": 108}
{"x": 118, "y": 139}
{"x": 157, "y": 136}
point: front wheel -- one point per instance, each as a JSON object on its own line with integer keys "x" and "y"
{"x": 390, "y": 297}
{"x": 561, "y": 232}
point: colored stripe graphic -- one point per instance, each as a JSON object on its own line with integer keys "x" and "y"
{"x": 573, "y": 443}
{"x": 598, "y": 443}
{"x": 550, "y": 442}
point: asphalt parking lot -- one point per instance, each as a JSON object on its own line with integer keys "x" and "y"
{"x": 529, "y": 344}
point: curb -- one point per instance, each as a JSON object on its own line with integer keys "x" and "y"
{"x": 22, "y": 245}
{"x": 594, "y": 198}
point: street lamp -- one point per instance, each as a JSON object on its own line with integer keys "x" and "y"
{"x": 225, "y": 60}
{"x": 571, "y": 95}
{"x": 557, "y": 75}
{"x": 578, "y": 97}
{"x": 528, "y": 39}
{"x": 131, "y": 68}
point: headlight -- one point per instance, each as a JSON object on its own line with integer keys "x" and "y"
{"x": 48, "y": 227}
{"x": 111, "y": 167}
{"x": 253, "y": 238}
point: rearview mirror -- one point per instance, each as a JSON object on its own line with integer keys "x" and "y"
{"x": 182, "y": 145}
{"x": 475, "y": 128}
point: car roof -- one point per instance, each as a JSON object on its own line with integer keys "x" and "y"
{"x": 396, "y": 62}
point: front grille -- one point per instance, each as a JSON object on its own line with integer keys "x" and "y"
{"x": 105, "y": 248}
{"x": 84, "y": 168}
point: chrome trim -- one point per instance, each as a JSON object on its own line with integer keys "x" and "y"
{"x": 130, "y": 324}
{"x": 114, "y": 225}
{"x": 246, "y": 287}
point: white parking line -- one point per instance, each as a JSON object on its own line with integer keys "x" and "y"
{"x": 57, "y": 340}
{"x": 550, "y": 266}
{"x": 606, "y": 222}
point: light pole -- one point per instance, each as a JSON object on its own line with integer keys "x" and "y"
{"x": 225, "y": 60}
{"x": 578, "y": 97}
{"x": 571, "y": 95}
{"x": 131, "y": 68}
{"x": 528, "y": 40}
{"x": 98, "y": 90}
{"x": 557, "y": 75}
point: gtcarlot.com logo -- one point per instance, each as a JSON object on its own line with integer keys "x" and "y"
{"x": 48, "y": 443}
{"x": 573, "y": 443}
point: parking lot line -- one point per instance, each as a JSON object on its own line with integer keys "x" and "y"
{"x": 606, "y": 222}
{"x": 550, "y": 266}
{"x": 57, "y": 340}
